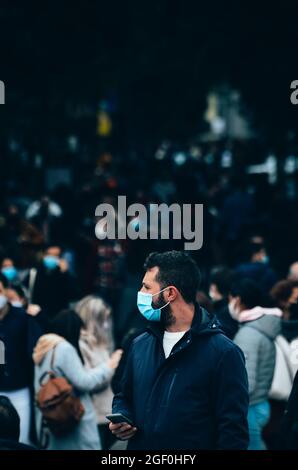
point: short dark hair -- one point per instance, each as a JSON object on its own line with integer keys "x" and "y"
{"x": 19, "y": 289}
{"x": 176, "y": 268}
{"x": 248, "y": 291}
{"x": 253, "y": 248}
{"x": 9, "y": 420}
{"x": 68, "y": 324}
{"x": 223, "y": 278}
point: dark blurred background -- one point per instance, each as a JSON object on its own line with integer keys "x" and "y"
{"x": 163, "y": 101}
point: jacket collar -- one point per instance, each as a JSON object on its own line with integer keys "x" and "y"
{"x": 202, "y": 323}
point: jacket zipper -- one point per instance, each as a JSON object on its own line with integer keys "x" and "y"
{"x": 171, "y": 386}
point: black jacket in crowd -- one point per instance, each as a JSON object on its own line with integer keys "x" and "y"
{"x": 289, "y": 428}
{"x": 197, "y": 398}
{"x": 53, "y": 290}
{"x": 226, "y": 322}
{"x": 19, "y": 333}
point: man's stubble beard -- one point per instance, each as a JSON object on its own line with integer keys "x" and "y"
{"x": 167, "y": 318}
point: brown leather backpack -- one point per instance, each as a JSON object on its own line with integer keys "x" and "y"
{"x": 60, "y": 408}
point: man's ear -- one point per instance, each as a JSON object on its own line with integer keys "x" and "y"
{"x": 173, "y": 293}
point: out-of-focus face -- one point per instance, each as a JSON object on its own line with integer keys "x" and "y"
{"x": 7, "y": 263}
{"x": 293, "y": 273}
{"x": 294, "y": 296}
{"x": 13, "y": 296}
{"x": 53, "y": 251}
{"x": 214, "y": 293}
{"x": 259, "y": 256}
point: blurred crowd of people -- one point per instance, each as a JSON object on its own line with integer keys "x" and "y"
{"x": 63, "y": 289}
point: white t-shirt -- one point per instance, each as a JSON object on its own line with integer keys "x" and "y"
{"x": 170, "y": 339}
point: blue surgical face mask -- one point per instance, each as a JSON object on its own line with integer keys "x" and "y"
{"x": 9, "y": 272}
{"x": 51, "y": 262}
{"x": 144, "y": 303}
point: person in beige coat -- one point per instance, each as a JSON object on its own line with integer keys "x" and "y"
{"x": 96, "y": 344}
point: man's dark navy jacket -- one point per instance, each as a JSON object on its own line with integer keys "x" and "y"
{"x": 197, "y": 398}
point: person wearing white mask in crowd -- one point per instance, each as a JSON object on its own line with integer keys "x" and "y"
{"x": 258, "y": 329}
{"x": 16, "y": 296}
{"x": 18, "y": 334}
{"x": 221, "y": 279}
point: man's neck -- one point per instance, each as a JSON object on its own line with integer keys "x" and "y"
{"x": 4, "y": 311}
{"x": 184, "y": 316}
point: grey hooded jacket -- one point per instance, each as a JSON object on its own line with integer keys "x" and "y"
{"x": 256, "y": 339}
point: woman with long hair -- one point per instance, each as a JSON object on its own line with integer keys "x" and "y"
{"x": 60, "y": 351}
{"x": 96, "y": 344}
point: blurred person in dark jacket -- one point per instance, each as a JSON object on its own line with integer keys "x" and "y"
{"x": 19, "y": 333}
{"x": 10, "y": 427}
{"x": 46, "y": 215}
{"x": 220, "y": 284}
{"x": 289, "y": 427}
{"x": 258, "y": 330}
{"x": 51, "y": 286}
{"x": 181, "y": 368}
{"x": 21, "y": 239}
{"x": 257, "y": 268}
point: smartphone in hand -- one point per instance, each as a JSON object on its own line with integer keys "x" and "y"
{"x": 116, "y": 418}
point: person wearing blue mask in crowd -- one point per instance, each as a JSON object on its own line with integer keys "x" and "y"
{"x": 50, "y": 285}
{"x": 184, "y": 385}
{"x": 19, "y": 333}
{"x": 9, "y": 270}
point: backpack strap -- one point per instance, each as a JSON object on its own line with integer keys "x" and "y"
{"x": 53, "y": 358}
{"x": 44, "y": 430}
{"x": 44, "y": 436}
{"x": 50, "y": 372}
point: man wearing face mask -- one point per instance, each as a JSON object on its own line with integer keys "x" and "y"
{"x": 19, "y": 333}
{"x": 184, "y": 385}
{"x": 51, "y": 286}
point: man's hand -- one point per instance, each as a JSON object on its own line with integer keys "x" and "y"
{"x": 33, "y": 309}
{"x": 122, "y": 431}
{"x": 115, "y": 359}
{"x": 63, "y": 265}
